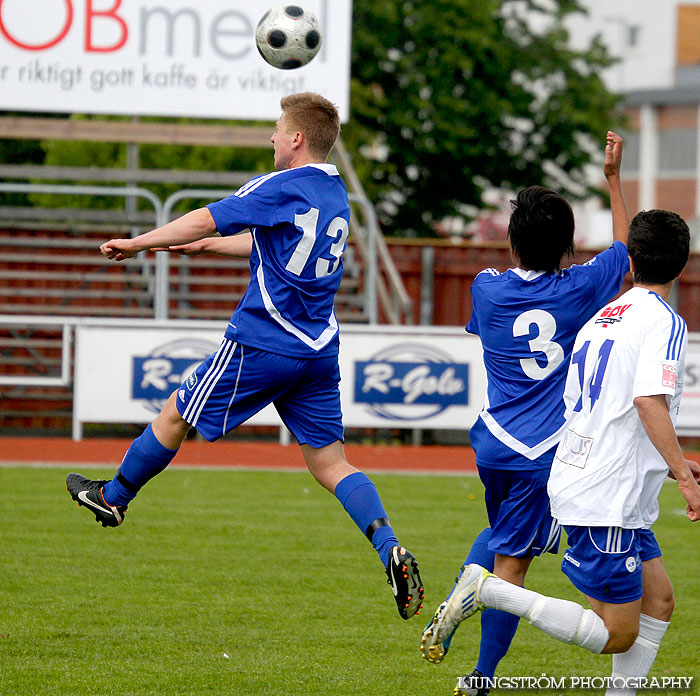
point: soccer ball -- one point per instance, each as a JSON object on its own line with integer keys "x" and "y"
{"x": 288, "y": 36}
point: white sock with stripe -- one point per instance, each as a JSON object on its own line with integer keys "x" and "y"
{"x": 638, "y": 660}
{"x": 566, "y": 621}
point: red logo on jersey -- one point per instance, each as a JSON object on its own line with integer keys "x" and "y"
{"x": 669, "y": 376}
{"x": 612, "y": 314}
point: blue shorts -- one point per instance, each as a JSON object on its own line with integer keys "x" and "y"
{"x": 606, "y": 562}
{"x": 517, "y": 505}
{"x": 237, "y": 381}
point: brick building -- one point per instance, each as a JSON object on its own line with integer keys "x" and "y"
{"x": 658, "y": 73}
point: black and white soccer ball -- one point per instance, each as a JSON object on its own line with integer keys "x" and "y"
{"x": 288, "y": 36}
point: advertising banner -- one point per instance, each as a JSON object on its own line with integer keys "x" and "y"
{"x": 150, "y": 57}
{"x": 391, "y": 377}
{"x": 412, "y": 378}
{"x": 688, "y": 422}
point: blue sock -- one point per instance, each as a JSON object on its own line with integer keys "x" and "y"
{"x": 361, "y": 501}
{"x": 144, "y": 459}
{"x": 478, "y": 553}
{"x": 497, "y": 631}
{"x": 497, "y": 627}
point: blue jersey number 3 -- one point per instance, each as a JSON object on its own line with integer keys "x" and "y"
{"x": 541, "y": 343}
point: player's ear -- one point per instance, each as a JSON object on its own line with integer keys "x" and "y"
{"x": 298, "y": 140}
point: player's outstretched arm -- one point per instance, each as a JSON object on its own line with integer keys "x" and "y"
{"x": 653, "y": 412}
{"x": 188, "y": 228}
{"x": 237, "y": 246}
{"x": 611, "y": 169}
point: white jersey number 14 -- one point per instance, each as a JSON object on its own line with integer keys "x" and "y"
{"x": 595, "y": 379}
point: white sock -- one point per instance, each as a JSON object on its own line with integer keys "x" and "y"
{"x": 566, "y": 621}
{"x": 637, "y": 661}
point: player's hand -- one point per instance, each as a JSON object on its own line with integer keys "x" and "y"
{"x": 118, "y": 249}
{"x": 613, "y": 155}
{"x": 691, "y": 492}
{"x": 694, "y": 469}
{"x": 191, "y": 249}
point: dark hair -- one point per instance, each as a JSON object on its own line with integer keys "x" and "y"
{"x": 658, "y": 244}
{"x": 541, "y": 228}
{"x": 316, "y": 117}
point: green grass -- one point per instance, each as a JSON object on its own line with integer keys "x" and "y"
{"x": 251, "y": 583}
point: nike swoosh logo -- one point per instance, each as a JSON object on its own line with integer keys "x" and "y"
{"x": 393, "y": 584}
{"x": 83, "y": 497}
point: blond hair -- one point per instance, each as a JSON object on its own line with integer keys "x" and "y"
{"x": 316, "y": 117}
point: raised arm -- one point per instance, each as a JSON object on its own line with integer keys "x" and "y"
{"x": 611, "y": 169}
{"x": 237, "y": 246}
{"x": 188, "y": 228}
{"x": 653, "y": 412}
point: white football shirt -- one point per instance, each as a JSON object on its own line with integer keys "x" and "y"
{"x": 606, "y": 472}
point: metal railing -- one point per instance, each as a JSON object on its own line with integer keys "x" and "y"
{"x": 387, "y": 288}
{"x": 23, "y": 323}
{"x": 367, "y": 238}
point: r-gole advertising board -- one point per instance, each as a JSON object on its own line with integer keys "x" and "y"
{"x": 409, "y": 378}
{"x": 391, "y": 377}
{"x": 151, "y": 57}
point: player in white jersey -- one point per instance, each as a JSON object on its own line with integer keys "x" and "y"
{"x": 622, "y": 393}
{"x": 527, "y": 319}
{"x": 281, "y": 345}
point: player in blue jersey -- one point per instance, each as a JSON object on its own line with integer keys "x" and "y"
{"x": 527, "y": 319}
{"x": 281, "y": 345}
{"x": 622, "y": 393}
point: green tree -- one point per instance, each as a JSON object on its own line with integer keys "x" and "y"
{"x": 449, "y": 97}
{"x": 454, "y": 96}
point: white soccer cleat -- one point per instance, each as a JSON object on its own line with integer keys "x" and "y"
{"x": 462, "y": 602}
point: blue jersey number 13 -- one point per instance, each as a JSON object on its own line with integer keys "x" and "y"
{"x": 337, "y": 231}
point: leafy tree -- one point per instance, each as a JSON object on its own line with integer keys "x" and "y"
{"x": 449, "y": 98}
{"x": 454, "y": 96}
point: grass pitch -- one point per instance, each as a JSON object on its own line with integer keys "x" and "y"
{"x": 250, "y": 583}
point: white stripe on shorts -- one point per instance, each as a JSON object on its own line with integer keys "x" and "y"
{"x": 235, "y": 391}
{"x": 212, "y": 376}
{"x": 553, "y": 536}
{"x": 613, "y": 542}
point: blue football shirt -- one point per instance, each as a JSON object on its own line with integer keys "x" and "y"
{"x": 527, "y": 322}
{"x": 299, "y": 219}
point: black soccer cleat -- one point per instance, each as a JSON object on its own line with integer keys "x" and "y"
{"x": 403, "y": 576}
{"x": 89, "y": 494}
{"x": 474, "y": 684}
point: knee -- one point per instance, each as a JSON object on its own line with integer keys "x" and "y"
{"x": 621, "y": 639}
{"x": 660, "y": 607}
{"x": 327, "y": 465}
{"x": 512, "y": 570}
{"x": 169, "y": 426}
{"x": 668, "y": 608}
